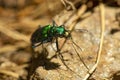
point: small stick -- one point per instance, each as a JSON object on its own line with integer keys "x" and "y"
{"x": 10, "y": 73}
{"x": 68, "y": 2}
{"x": 13, "y": 34}
{"x": 73, "y": 20}
{"x": 102, "y": 14}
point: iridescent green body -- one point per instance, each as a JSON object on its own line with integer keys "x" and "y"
{"x": 47, "y": 33}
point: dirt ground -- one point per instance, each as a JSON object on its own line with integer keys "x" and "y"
{"x": 93, "y": 53}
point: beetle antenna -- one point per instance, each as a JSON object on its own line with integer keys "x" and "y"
{"x": 78, "y": 52}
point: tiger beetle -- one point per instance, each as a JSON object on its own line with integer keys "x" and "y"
{"x": 48, "y": 33}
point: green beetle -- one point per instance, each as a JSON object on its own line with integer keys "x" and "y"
{"x": 47, "y": 34}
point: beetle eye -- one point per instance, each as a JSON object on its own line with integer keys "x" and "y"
{"x": 66, "y": 34}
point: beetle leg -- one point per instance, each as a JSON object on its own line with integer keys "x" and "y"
{"x": 61, "y": 56}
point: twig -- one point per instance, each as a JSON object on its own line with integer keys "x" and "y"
{"x": 64, "y": 3}
{"x": 68, "y": 2}
{"x": 73, "y": 20}
{"x": 76, "y": 16}
{"x": 11, "y": 48}
{"x": 19, "y": 67}
{"x": 102, "y": 14}
{"x": 13, "y": 34}
{"x": 10, "y": 73}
